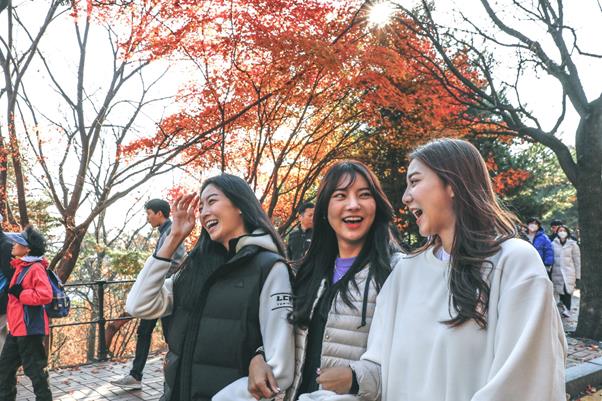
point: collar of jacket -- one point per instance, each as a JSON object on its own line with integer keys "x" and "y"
{"x": 165, "y": 226}
{"x": 246, "y": 246}
{"x": 20, "y": 264}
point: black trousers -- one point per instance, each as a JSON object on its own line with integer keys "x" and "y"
{"x": 566, "y": 299}
{"x": 27, "y": 351}
{"x": 143, "y": 343}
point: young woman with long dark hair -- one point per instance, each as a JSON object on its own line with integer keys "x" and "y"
{"x": 228, "y": 302}
{"x": 471, "y": 315}
{"x": 335, "y": 290}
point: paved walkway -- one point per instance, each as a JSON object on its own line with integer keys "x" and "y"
{"x": 580, "y": 349}
{"x": 91, "y": 382}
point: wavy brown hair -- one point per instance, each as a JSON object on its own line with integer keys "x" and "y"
{"x": 482, "y": 224}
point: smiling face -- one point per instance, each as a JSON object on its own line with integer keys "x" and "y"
{"x": 431, "y": 202}
{"x": 351, "y": 212}
{"x": 222, "y": 220}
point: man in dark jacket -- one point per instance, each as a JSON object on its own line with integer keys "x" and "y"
{"x": 7, "y": 271}
{"x": 300, "y": 238}
{"x": 157, "y": 215}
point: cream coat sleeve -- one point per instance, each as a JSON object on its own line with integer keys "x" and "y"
{"x": 151, "y": 296}
{"x": 576, "y": 255}
{"x": 275, "y": 303}
{"x": 368, "y": 368}
{"x": 530, "y": 346}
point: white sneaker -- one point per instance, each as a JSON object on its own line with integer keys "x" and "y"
{"x": 127, "y": 382}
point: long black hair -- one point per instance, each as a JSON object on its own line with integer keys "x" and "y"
{"x": 318, "y": 262}
{"x": 207, "y": 254}
{"x": 482, "y": 224}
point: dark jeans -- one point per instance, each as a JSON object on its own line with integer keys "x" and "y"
{"x": 143, "y": 343}
{"x": 29, "y": 352}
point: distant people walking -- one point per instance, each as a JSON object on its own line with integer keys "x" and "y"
{"x": 541, "y": 242}
{"x": 567, "y": 268}
{"x": 230, "y": 300}
{"x": 157, "y": 215}
{"x": 29, "y": 291}
{"x": 470, "y": 315}
{"x": 554, "y": 224}
{"x": 6, "y": 274}
{"x": 300, "y": 238}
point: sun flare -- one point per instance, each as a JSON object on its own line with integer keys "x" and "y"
{"x": 380, "y": 13}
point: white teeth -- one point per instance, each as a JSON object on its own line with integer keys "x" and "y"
{"x": 210, "y": 223}
{"x": 352, "y": 219}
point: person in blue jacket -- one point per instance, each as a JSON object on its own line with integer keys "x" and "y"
{"x": 541, "y": 242}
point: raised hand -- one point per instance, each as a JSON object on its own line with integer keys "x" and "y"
{"x": 183, "y": 214}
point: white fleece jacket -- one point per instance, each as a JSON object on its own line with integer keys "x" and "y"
{"x": 151, "y": 297}
{"x": 520, "y": 356}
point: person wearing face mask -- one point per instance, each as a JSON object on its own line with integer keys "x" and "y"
{"x": 228, "y": 302}
{"x": 567, "y": 269}
{"x": 541, "y": 242}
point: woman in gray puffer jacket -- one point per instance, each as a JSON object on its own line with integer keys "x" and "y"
{"x": 350, "y": 257}
{"x": 567, "y": 268}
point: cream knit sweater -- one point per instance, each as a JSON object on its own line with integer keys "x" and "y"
{"x": 411, "y": 356}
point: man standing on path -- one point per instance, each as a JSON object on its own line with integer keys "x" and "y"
{"x": 299, "y": 239}
{"x": 157, "y": 215}
{"x": 6, "y": 272}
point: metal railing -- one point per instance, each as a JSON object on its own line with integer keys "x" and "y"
{"x": 100, "y": 319}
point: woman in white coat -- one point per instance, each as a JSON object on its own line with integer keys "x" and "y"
{"x": 470, "y": 316}
{"x": 566, "y": 270}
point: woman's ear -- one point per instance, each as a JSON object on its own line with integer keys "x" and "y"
{"x": 450, "y": 191}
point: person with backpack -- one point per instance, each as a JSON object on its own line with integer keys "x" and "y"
{"x": 6, "y": 274}
{"x": 29, "y": 292}
{"x": 228, "y": 302}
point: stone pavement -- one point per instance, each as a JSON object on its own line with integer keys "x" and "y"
{"x": 580, "y": 349}
{"x": 91, "y": 382}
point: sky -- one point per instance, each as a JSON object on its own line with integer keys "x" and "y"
{"x": 540, "y": 93}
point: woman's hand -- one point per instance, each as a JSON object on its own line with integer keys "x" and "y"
{"x": 183, "y": 214}
{"x": 338, "y": 379}
{"x": 262, "y": 383}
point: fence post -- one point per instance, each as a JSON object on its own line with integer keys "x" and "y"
{"x": 102, "y": 345}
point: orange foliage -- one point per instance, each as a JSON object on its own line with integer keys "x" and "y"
{"x": 280, "y": 89}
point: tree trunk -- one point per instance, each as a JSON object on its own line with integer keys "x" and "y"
{"x": 113, "y": 329}
{"x": 589, "y": 197}
{"x": 17, "y": 168}
{"x": 3, "y": 176}
{"x": 64, "y": 261}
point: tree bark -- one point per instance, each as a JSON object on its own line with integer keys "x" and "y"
{"x": 65, "y": 259}
{"x": 589, "y": 198}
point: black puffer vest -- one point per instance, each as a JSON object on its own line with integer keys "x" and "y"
{"x": 229, "y": 332}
